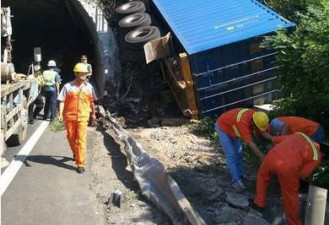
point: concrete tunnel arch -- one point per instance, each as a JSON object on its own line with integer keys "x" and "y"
{"x": 64, "y": 30}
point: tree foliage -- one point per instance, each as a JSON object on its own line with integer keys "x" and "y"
{"x": 303, "y": 63}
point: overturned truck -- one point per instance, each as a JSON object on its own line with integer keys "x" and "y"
{"x": 212, "y": 60}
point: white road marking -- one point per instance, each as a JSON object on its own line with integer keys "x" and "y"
{"x": 10, "y": 172}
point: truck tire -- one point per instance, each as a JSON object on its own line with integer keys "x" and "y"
{"x": 133, "y": 21}
{"x": 137, "y": 38}
{"x": 130, "y": 7}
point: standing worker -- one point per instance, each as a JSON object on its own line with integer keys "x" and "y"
{"x": 291, "y": 124}
{"x": 83, "y": 60}
{"x": 76, "y": 103}
{"x": 51, "y": 89}
{"x": 294, "y": 158}
{"x": 234, "y": 125}
{"x": 38, "y": 102}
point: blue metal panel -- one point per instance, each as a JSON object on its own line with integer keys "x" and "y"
{"x": 207, "y": 24}
{"x": 226, "y": 77}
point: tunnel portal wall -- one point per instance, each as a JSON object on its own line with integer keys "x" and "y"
{"x": 106, "y": 63}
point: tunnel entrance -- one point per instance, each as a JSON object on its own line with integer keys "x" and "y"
{"x": 55, "y": 26}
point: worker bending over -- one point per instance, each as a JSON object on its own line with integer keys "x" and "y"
{"x": 294, "y": 157}
{"x": 291, "y": 124}
{"x": 76, "y": 102}
{"x": 234, "y": 125}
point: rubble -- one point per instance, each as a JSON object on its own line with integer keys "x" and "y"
{"x": 237, "y": 200}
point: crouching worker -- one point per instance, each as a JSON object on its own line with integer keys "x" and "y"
{"x": 291, "y": 124}
{"x": 234, "y": 125}
{"x": 293, "y": 158}
{"x": 76, "y": 103}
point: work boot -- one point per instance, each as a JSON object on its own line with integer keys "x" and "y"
{"x": 31, "y": 121}
{"x": 239, "y": 185}
{"x": 80, "y": 169}
{"x": 255, "y": 207}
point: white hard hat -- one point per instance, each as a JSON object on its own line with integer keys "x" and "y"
{"x": 37, "y": 67}
{"x": 51, "y": 63}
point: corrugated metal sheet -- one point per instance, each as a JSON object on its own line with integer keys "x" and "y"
{"x": 207, "y": 24}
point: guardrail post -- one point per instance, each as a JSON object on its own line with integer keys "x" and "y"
{"x": 315, "y": 206}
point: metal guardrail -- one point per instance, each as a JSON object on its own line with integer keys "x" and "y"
{"x": 155, "y": 184}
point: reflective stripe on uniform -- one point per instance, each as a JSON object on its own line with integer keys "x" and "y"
{"x": 315, "y": 154}
{"x": 238, "y": 119}
{"x": 49, "y": 77}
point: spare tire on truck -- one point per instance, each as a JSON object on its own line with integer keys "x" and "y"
{"x": 129, "y": 8}
{"x": 141, "y": 35}
{"x": 134, "y": 20}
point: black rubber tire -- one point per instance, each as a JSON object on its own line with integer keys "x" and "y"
{"x": 14, "y": 140}
{"x": 135, "y": 20}
{"x": 131, "y": 7}
{"x": 141, "y": 35}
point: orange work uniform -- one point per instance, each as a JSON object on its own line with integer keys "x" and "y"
{"x": 236, "y": 123}
{"x": 77, "y": 107}
{"x": 231, "y": 127}
{"x": 296, "y": 156}
{"x": 299, "y": 124}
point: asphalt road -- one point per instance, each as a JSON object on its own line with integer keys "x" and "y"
{"x": 46, "y": 189}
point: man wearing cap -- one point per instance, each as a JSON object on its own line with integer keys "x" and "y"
{"x": 231, "y": 127}
{"x": 290, "y": 124}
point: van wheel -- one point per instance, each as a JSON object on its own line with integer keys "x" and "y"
{"x": 18, "y": 138}
{"x": 14, "y": 140}
{"x": 135, "y": 20}
{"x": 131, "y": 7}
{"x": 141, "y": 35}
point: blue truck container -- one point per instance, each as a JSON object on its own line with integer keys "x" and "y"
{"x": 221, "y": 39}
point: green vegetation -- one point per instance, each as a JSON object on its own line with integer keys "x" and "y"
{"x": 210, "y": 167}
{"x": 303, "y": 73}
{"x": 205, "y": 128}
{"x": 303, "y": 61}
{"x": 131, "y": 197}
{"x": 56, "y": 125}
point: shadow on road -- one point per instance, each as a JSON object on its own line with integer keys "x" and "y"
{"x": 46, "y": 159}
{"x": 119, "y": 162}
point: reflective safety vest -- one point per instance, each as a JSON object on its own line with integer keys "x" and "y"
{"x": 315, "y": 154}
{"x": 49, "y": 77}
{"x": 238, "y": 119}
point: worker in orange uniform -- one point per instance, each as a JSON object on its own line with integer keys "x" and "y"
{"x": 291, "y": 124}
{"x": 76, "y": 102}
{"x": 293, "y": 157}
{"x": 234, "y": 125}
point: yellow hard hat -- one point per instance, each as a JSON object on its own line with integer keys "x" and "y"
{"x": 261, "y": 120}
{"x": 80, "y": 68}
